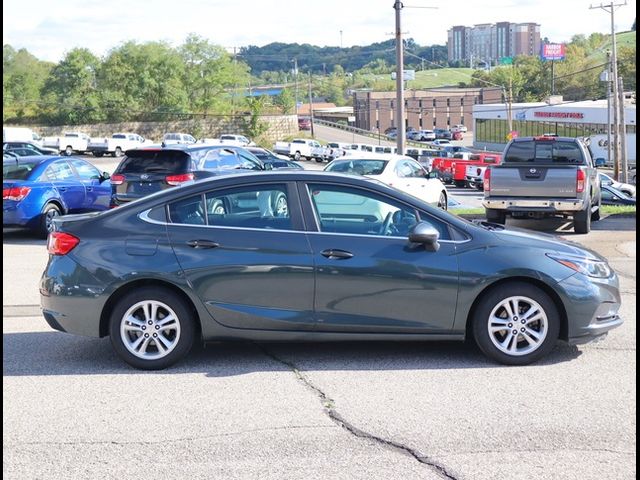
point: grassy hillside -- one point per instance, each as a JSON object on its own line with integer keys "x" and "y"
{"x": 438, "y": 77}
{"x": 623, "y": 39}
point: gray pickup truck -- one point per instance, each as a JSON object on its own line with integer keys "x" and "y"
{"x": 544, "y": 176}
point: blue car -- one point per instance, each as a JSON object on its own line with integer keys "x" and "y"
{"x": 36, "y": 189}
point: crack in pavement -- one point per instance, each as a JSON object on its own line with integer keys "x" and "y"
{"x": 329, "y": 407}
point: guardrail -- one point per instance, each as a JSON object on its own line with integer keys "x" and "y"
{"x": 365, "y": 133}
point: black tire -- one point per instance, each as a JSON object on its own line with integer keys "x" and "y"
{"x": 297, "y": 156}
{"x": 180, "y": 344}
{"x": 595, "y": 216}
{"x": 98, "y": 154}
{"x": 496, "y": 216}
{"x": 68, "y": 151}
{"x": 319, "y": 160}
{"x": 442, "y": 201}
{"x": 117, "y": 152}
{"x": 460, "y": 183}
{"x": 582, "y": 220}
{"x": 490, "y": 312}
{"x": 50, "y": 211}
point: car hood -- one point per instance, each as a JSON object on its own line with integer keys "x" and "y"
{"x": 543, "y": 241}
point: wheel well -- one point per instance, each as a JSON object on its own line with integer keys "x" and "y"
{"x": 564, "y": 332}
{"x": 124, "y": 289}
{"x": 56, "y": 203}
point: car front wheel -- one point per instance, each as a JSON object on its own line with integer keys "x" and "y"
{"x": 152, "y": 328}
{"x": 516, "y": 324}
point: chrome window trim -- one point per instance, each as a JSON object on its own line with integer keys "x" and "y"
{"x": 144, "y": 216}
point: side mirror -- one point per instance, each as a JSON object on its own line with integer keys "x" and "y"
{"x": 432, "y": 174}
{"x": 426, "y": 234}
{"x": 268, "y": 166}
{"x": 104, "y": 176}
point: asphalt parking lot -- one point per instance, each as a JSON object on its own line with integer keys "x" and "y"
{"x": 71, "y": 409}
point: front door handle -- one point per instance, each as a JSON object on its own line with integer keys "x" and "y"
{"x": 62, "y": 189}
{"x": 89, "y": 189}
{"x": 335, "y": 254}
{"x": 202, "y": 244}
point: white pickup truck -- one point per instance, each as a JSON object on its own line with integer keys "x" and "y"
{"x": 307, "y": 149}
{"x": 116, "y": 145}
{"x": 68, "y": 143}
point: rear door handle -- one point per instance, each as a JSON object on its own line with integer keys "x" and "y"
{"x": 89, "y": 189}
{"x": 202, "y": 244}
{"x": 62, "y": 189}
{"x": 335, "y": 254}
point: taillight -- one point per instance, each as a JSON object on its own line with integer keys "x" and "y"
{"x": 117, "y": 179}
{"x": 15, "y": 193}
{"x": 486, "y": 181}
{"x": 580, "y": 178}
{"x": 61, "y": 243}
{"x": 178, "y": 179}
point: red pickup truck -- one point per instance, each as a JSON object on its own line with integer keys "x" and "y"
{"x": 454, "y": 170}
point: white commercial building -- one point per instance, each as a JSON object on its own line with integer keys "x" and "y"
{"x": 567, "y": 119}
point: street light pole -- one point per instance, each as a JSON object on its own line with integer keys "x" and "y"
{"x": 399, "y": 113}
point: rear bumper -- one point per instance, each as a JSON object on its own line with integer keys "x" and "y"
{"x": 550, "y": 205}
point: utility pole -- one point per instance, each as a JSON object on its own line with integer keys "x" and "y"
{"x": 340, "y": 38}
{"x": 608, "y": 83}
{"x": 295, "y": 73}
{"x": 313, "y": 135}
{"x": 399, "y": 113}
{"x": 610, "y": 8}
{"x": 623, "y": 136}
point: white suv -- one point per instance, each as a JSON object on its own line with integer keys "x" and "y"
{"x": 238, "y": 140}
{"x": 177, "y": 138}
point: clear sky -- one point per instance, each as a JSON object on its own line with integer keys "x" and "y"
{"x": 50, "y": 28}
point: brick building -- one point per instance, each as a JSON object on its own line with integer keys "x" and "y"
{"x": 424, "y": 109}
{"x": 489, "y": 42}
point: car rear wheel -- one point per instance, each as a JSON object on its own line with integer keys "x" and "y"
{"x": 280, "y": 206}
{"x": 496, "y": 216}
{"x": 50, "y": 212}
{"x": 117, "y": 152}
{"x": 152, "y": 328}
{"x": 297, "y": 156}
{"x": 582, "y": 220}
{"x": 516, "y": 324}
{"x": 68, "y": 151}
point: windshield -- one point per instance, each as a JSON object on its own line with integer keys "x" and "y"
{"x": 17, "y": 171}
{"x": 359, "y": 167}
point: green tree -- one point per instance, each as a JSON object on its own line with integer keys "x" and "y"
{"x": 209, "y": 71}
{"x": 627, "y": 67}
{"x": 70, "y": 93}
{"x": 144, "y": 82}
{"x": 285, "y": 101}
{"x": 23, "y": 76}
{"x": 253, "y": 126}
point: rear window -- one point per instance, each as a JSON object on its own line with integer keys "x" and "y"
{"x": 21, "y": 171}
{"x": 359, "y": 167}
{"x": 154, "y": 161}
{"x": 536, "y": 151}
{"x": 119, "y": 135}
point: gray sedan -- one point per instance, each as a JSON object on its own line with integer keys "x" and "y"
{"x": 312, "y": 256}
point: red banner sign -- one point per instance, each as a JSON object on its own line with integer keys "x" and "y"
{"x": 558, "y": 114}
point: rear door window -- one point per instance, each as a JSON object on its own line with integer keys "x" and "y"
{"x": 154, "y": 161}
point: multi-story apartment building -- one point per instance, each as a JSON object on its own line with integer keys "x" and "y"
{"x": 489, "y": 42}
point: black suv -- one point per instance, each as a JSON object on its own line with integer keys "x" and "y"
{"x": 22, "y": 149}
{"x": 148, "y": 170}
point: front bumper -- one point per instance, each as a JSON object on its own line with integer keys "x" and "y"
{"x": 591, "y": 305}
{"x": 549, "y": 205}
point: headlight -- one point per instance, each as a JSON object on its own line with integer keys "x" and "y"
{"x": 586, "y": 266}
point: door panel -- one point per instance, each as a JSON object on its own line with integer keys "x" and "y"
{"x": 68, "y": 186}
{"x": 378, "y": 282}
{"x": 248, "y": 274}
